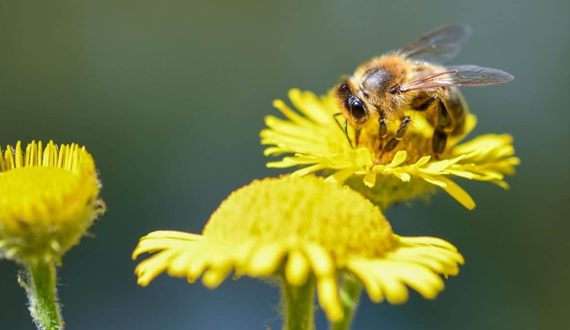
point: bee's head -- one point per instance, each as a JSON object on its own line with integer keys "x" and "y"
{"x": 351, "y": 106}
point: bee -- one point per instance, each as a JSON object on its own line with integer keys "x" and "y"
{"x": 382, "y": 90}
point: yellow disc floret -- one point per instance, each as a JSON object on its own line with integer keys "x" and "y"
{"x": 48, "y": 200}
{"x": 337, "y": 218}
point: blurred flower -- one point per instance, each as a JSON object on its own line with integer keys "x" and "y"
{"x": 318, "y": 143}
{"x": 49, "y": 198}
{"x": 303, "y": 230}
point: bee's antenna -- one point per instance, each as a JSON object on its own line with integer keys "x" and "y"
{"x": 345, "y": 129}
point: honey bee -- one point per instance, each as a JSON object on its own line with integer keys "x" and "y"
{"x": 382, "y": 90}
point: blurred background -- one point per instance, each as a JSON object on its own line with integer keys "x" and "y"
{"x": 170, "y": 97}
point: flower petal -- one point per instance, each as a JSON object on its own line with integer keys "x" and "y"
{"x": 266, "y": 259}
{"x": 451, "y": 188}
{"x": 327, "y": 290}
{"x": 359, "y": 269}
{"x": 297, "y": 269}
{"x": 319, "y": 259}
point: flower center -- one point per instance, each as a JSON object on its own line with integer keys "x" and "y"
{"x": 303, "y": 209}
{"x": 39, "y": 194}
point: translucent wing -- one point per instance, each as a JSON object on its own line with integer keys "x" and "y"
{"x": 439, "y": 45}
{"x": 462, "y": 75}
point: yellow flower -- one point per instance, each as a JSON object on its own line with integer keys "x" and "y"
{"x": 318, "y": 143}
{"x": 48, "y": 200}
{"x": 302, "y": 228}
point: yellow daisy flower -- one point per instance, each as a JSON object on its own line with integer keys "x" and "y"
{"x": 49, "y": 198}
{"x": 305, "y": 231}
{"x": 318, "y": 143}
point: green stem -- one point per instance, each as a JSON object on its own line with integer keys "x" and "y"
{"x": 43, "y": 296}
{"x": 349, "y": 297}
{"x": 298, "y": 306}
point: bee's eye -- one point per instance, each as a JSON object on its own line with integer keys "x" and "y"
{"x": 357, "y": 109}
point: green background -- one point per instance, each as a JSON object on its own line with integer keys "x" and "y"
{"x": 169, "y": 97}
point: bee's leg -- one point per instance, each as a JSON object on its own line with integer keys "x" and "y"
{"x": 443, "y": 125}
{"x": 438, "y": 141}
{"x": 423, "y": 104}
{"x": 382, "y": 130}
{"x": 443, "y": 128}
{"x": 400, "y": 132}
{"x": 382, "y": 133}
{"x": 345, "y": 129}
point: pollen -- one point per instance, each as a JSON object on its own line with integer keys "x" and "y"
{"x": 48, "y": 200}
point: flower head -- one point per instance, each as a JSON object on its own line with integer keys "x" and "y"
{"x": 49, "y": 198}
{"x": 318, "y": 143}
{"x": 301, "y": 227}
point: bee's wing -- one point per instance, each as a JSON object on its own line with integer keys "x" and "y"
{"x": 462, "y": 75}
{"x": 439, "y": 45}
